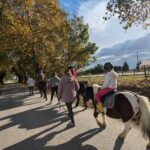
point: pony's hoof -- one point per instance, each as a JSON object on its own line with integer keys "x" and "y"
{"x": 103, "y": 125}
{"x": 121, "y": 137}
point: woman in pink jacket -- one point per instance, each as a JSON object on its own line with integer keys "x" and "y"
{"x": 67, "y": 90}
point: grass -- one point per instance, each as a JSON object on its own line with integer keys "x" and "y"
{"x": 135, "y": 83}
{"x": 132, "y": 78}
{"x": 99, "y": 79}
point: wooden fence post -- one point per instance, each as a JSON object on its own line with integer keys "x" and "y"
{"x": 145, "y": 72}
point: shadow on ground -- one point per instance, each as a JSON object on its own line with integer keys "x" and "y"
{"x": 35, "y": 143}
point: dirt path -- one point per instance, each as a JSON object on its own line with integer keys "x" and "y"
{"x": 31, "y": 123}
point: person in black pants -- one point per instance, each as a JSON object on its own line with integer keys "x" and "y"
{"x": 42, "y": 84}
{"x": 54, "y": 81}
{"x": 70, "y": 112}
{"x": 67, "y": 90}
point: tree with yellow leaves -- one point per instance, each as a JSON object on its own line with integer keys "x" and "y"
{"x": 36, "y": 34}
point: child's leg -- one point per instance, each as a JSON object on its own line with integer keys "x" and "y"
{"x": 30, "y": 90}
{"x": 32, "y": 87}
{"x": 52, "y": 93}
{"x": 98, "y": 96}
{"x": 99, "y": 102}
{"x": 56, "y": 90}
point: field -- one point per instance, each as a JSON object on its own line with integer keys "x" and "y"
{"x": 135, "y": 83}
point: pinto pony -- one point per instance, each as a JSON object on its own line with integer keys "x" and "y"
{"x": 81, "y": 92}
{"x": 128, "y": 106}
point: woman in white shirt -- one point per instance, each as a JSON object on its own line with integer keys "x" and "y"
{"x": 110, "y": 84}
{"x": 31, "y": 85}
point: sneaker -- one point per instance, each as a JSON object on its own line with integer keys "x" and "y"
{"x": 70, "y": 124}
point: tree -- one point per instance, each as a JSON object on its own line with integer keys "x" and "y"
{"x": 95, "y": 70}
{"x": 129, "y": 12}
{"x": 118, "y": 68}
{"x": 27, "y": 31}
{"x": 138, "y": 65}
{"x": 37, "y": 34}
{"x": 80, "y": 50}
{"x": 125, "y": 66}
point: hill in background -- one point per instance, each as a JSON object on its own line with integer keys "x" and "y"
{"x": 126, "y": 51}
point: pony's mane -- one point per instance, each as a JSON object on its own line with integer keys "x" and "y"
{"x": 96, "y": 88}
{"x": 96, "y": 85}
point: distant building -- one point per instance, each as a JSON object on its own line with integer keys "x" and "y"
{"x": 145, "y": 64}
{"x": 146, "y": 67}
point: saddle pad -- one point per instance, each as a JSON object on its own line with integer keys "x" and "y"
{"x": 108, "y": 100}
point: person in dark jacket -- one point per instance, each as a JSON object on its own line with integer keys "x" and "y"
{"x": 53, "y": 84}
{"x": 41, "y": 83}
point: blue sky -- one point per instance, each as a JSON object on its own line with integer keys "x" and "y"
{"x": 103, "y": 33}
{"x": 70, "y": 6}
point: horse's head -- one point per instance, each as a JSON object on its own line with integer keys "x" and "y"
{"x": 90, "y": 91}
{"x": 88, "y": 94}
{"x": 82, "y": 87}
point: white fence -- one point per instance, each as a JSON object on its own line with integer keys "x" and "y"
{"x": 119, "y": 73}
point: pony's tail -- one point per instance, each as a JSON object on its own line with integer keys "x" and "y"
{"x": 145, "y": 116}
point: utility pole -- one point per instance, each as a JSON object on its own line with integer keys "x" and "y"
{"x": 137, "y": 57}
{"x": 137, "y": 64}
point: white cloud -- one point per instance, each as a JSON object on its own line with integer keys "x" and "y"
{"x": 90, "y": 12}
{"x": 106, "y": 33}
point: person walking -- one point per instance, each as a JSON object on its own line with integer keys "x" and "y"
{"x": 42, "y": 84}
{"x": 74, "y": 74}
{"x": 53, "y": 84}
{"x": 67, "y": 90}
{"x": 31, "y": 85}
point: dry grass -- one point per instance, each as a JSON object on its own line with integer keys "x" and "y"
{"x": 135, "y": 83}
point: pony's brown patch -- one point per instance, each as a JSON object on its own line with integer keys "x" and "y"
{"x": 122, "y": 108}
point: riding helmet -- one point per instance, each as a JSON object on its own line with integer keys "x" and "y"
{"x": 108, "y": 66}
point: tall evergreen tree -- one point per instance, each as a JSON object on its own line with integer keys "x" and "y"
{"x": 125, "y": 67}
